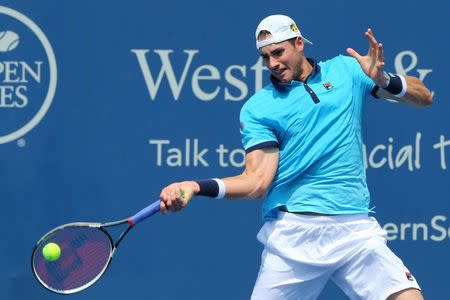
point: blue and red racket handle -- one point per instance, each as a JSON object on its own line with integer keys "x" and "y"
{"x": 149, "y": 210}
{"x": 145, "y": 213}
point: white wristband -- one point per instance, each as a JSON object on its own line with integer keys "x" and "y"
{"x": 221, "y": 184}
{"x": 404, "y": 87}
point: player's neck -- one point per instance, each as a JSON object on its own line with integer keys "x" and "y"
{"x": 305, "y": 70}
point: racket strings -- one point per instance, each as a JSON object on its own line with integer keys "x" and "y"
{"x": 85, "y": 252}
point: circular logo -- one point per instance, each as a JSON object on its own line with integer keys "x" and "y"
{"x": 21, "y": 80}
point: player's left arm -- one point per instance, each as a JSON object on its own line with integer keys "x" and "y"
{"x": 417, "y": 94}
{"x": 406, "y": 89}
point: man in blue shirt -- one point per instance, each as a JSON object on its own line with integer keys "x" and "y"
{"x": 320, "y": 120}
{"x": 302, "y": 136}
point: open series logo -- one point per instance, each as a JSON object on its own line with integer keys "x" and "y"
{"x": 28, "y": 75}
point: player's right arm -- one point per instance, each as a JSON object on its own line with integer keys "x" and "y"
{"x": 260, "y": 169}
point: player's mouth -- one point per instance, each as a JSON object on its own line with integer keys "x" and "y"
{"x": 280, "y": 74}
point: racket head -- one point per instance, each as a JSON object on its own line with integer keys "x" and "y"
{"x": 86, "y": 251}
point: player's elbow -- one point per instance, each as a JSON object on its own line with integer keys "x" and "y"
{"x": 425, "y": 100}
{"x": 428, "y": 98}
{"x": 423, "y": 97}
{"x": 259, "y": 193}
{"x": 260, "y": 187}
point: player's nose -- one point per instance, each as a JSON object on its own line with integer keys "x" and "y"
{"x": 272, "y": 64}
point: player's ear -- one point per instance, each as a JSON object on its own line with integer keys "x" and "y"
{"x": 298, "y": 43}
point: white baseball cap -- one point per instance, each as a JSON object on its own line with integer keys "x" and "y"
{"x": 280, "y": 27}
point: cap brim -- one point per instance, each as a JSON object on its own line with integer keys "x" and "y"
{"x": 263, "y": 43}
{"x": 307, "y": 41}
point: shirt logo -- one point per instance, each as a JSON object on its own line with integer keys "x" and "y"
{"x": 409, "y": 276}
{"x": 328, "y": 85}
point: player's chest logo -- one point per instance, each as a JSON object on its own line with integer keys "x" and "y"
{"x": 328, "y": 85}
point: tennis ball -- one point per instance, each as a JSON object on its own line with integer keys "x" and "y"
{"x": 51, "y": 252}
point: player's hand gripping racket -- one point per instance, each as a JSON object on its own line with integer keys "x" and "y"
{"x": 83, "y": 252}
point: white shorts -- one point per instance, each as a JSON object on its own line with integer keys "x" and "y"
{"x": 301, "y": 253}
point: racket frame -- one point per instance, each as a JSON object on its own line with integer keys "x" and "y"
{"x": 98, "y": 226}
{"x": 132, "y": 221}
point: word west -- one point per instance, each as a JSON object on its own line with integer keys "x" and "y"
{"x": 388, "y": 155}
{"x": 234, "y": 83}
{"x": 234, "y": 76}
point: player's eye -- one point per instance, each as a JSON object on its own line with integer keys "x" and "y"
{"x": 278, "y": 52}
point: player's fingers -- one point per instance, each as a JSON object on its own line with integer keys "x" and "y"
{"x": 180, "y": 201}
{"x": 163, "y": 207}
{"x": 169, "y": 203}
{"x": 373, "y": 44}
{"x": 381, "y": 68}
{"x": 176, "y": 206}
{"x": 162, "y": 204}
{"x": 175, "y": 197}
{"x": 371, "y": 37}
{"x": 353, "y": 53}
{"x": 380, "y": 52}
{"x": 174, "y": 200}
{"x": 167, "y": 199}
{"x": 185, "y": 196}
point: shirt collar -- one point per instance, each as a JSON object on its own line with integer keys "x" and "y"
{"x": 282, "y": 86}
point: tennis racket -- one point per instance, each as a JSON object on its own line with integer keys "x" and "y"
{"x": 86, "y": 250}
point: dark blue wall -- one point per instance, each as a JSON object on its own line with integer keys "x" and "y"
{"x": 93, "y": 155}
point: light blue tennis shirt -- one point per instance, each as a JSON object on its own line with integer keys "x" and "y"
{"x": 317, "y": 127}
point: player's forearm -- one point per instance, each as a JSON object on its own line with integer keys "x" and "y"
{"x": 260, "y": 169}
{"x": 242, "y": 186}
{"x": 261, "y": 166}
{"x": 417, "y": 94}
{"x": 245, "y": 186}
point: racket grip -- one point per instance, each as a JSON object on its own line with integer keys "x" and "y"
{"x": 145, "y": 213}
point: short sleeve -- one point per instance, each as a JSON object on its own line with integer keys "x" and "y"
{"x": 256, "y": 131}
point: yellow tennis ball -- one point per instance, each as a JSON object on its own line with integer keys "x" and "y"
{"x": 51, "y": 252}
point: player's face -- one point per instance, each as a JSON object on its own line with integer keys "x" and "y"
{"x": 283, "y": 59}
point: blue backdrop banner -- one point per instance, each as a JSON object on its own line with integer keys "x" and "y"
{"x": 103, "y": 103}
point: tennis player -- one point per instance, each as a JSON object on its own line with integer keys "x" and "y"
{"x": 303, "y": 143}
